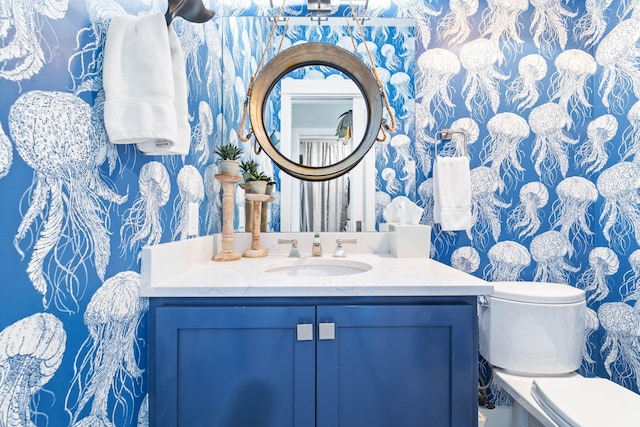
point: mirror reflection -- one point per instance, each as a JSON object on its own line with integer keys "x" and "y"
{"x": 321, "y": 123}
{"x": 298, "y": 121}
{"x": 315, "y": 109}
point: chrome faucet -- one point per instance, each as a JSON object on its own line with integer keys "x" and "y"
{"x": 293, "y": 253}
{"x": 316, "y": 249}
{"x": 340, "y": 250}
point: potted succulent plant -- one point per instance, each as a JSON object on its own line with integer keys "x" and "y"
{"x": 229, "y": 155}
{"x": 271, "y": 185}
{"x": 247, "y": 167}
{"x": 258, "y": 182}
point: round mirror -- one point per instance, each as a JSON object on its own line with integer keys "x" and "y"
{"x": 316, "y": 54}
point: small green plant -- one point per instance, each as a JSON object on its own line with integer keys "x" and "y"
{"x": 228, "y": 152}
{"x": 258, "y": 176}
{"x": 248, "y": 166}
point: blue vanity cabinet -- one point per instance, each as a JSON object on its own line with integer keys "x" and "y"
{"x": 232, "y": 367}
{"x": 390, "y": 365}
{"x": 375, "y": 362}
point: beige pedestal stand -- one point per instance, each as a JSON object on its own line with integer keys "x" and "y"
{"x": 247, "y": 209}
{"x": 228, "y": 206}
{"x": 256, "y": 201}
{"x": 264, "y": 219}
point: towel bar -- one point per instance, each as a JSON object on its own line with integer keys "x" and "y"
{"x": 447, "y": 135}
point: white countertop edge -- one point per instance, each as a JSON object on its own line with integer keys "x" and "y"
{"x": 315, "y": 292}
{"x": 208, "y": 281}
{"x": 178, "y": 272}
{"x": 166, "y": 260}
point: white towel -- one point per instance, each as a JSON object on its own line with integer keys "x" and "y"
{"x": 452, "y": 193}
{"x": 145, "y": 85}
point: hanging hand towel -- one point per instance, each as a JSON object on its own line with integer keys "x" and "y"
{"x": 452, "y": 193}
{"x": 145, "y": 86}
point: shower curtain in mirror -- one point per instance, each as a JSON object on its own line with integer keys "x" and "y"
{"x": 324, "y": 205}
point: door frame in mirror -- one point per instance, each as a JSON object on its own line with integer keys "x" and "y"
{"x": 362, "y": 177}
{"x": 320, "y": 54}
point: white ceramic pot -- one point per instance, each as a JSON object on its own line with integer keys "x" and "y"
{"x": 258, "y": 187}
{"x": 270, "y": 188}
{"x": 229, "y": 167}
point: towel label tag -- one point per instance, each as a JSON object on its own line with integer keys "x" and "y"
{"x": 164, "y": 143}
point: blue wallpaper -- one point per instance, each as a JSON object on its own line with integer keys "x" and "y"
{"x": 547, "y": 91}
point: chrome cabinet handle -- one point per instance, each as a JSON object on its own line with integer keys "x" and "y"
{"x": 326, "y": 331}
{"x": 304, "y": 332}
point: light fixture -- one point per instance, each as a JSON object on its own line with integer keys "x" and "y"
{"x": 319, "y": 5}
{"x": 319, "y": 19}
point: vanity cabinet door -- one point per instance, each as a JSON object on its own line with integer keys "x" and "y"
{"x": 397, "y": 366}
{"x": 234, "y": 367}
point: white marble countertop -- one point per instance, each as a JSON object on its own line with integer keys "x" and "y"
{"x": 185, "y": 269}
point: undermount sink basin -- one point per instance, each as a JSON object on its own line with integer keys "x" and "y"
{"x": 317, "y": 267}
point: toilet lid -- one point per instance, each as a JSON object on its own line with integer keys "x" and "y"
{"x": 586, "y": 402}
{"x": 537, "y": 292}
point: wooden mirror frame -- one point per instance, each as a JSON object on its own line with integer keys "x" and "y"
{"x": 324, "y": 55}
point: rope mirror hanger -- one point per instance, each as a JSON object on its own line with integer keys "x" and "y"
{"x": 316, "y": 54}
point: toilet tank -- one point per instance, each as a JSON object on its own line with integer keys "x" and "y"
{"x": 533, "y": 328}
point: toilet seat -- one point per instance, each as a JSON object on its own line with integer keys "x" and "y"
{"x": 586, "y": 402}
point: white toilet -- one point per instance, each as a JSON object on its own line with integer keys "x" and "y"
{"x": 533, "y": 336}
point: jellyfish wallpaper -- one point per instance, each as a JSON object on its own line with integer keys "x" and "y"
{"x": 547, "y": 93}
{"x": 525, "y": 88}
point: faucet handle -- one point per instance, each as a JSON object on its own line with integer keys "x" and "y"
{"x": 316, "y": 249}
{"x": 293, "y": 253}
{"x": 339, "y": 250}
